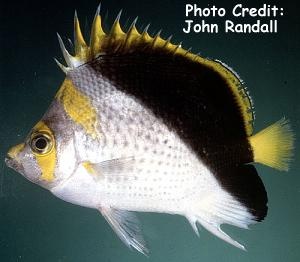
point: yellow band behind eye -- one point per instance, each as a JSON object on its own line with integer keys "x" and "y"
{"x": 47, "y": 161}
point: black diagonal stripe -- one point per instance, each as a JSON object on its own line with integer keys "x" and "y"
{"x": 196, "y": 102}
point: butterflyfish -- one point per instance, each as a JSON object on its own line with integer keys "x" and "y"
{"x": 141, "y": 124}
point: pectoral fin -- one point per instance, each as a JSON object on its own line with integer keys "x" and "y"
{"x": 126, "y": 225}
{"x": 118, "y": 167}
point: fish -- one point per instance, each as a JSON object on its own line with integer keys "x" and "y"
{"x": 140, "y": 124}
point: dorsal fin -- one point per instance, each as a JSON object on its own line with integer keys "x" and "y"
{"x": 119, "y": 42}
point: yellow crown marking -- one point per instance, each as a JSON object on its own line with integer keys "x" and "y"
{"x": 78, "y": 107}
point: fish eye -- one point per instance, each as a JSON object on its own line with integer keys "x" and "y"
{"x": 41, "y": 143}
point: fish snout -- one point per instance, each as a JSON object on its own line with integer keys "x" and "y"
{"x": 15, "y": 150}
{"x": 11, "y": 159}
{"x": 14, "y": 164}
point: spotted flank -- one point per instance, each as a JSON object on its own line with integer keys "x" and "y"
{"x": 142, "y": 125}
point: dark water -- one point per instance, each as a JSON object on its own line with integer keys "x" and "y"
{"x": 36, "y": 226}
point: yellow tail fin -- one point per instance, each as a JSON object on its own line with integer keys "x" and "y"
{"x": 273, "y": 146}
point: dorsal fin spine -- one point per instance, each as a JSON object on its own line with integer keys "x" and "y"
{"x": 62, "y": 67}
{"x": 132, "y": 34}
{"x": 156, "y": 39}
{"x": 177, "y": 48}
{"x": 145, "y": 36}
{"x": 97, "y": 34}
{"x": 168, "y": 41}
{"x": 80, "y": 44}
{"x": 116, "y": 31}
{"x": 68, "y": 58}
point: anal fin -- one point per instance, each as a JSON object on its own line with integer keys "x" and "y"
{"x": 215, "y": 229}
{"x": 239, "y": 200}
{"x": 126, "y": 226}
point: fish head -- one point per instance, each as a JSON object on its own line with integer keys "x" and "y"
{"x": 47, "y": 156}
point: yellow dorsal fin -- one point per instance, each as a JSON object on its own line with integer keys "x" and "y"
{"x": 116, "y": 31}
{"x": 131, "y": 35}
{"x": 273, "y": 146}
{"x": 97, "y": 34}
{"x": 117, "y": 41}
{"x": 157, "y": 40}
{"x": 81, "y": 48}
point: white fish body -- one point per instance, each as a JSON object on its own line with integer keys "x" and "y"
{"x": 141, "y": 165}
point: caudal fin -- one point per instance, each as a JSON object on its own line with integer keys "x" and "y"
{"x": 273, "y": 146}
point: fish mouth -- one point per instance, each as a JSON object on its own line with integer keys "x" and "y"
{"x": 14, "y": 164}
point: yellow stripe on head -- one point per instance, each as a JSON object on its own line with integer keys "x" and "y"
{"x": 45, "y": 157}
{"x": 78, "y": 107}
